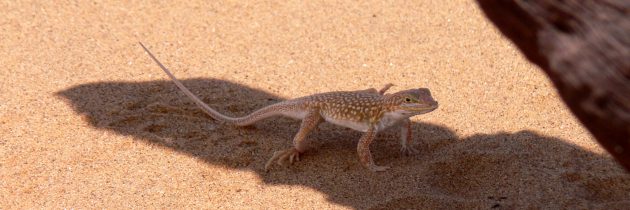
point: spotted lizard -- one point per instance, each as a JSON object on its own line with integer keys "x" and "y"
{"x": 368, "y": 111}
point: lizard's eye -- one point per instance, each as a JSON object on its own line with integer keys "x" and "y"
{"x": 407, "y": 100}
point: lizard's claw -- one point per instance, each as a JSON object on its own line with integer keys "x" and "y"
{"x": 280, "y": 156}
{"x": 293, "y": 156}
{"x": 408, "y": 150}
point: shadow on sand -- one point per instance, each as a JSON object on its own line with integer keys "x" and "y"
{"x": 503, "y": 170}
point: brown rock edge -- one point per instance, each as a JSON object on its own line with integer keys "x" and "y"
{"x": 584, "y": 48}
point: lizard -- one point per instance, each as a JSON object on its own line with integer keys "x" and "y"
{"x": 368, "y": 111}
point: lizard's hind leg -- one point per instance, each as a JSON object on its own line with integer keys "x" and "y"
{"x": 385, "y": 88}
{"x": 310, "y": 122}
{"x": 381, "y": 91}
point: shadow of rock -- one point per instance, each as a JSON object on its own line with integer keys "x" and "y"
{"x": 504, "y": 170}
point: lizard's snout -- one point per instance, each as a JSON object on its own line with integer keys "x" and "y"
{"x": 435, "y": 104}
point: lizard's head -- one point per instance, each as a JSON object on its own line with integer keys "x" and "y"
{"x": 412, "y": 102}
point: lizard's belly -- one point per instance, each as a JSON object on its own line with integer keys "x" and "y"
{"x": 384, "y": 123}
{"x": 359, "y": 126}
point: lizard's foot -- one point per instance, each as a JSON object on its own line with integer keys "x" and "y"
{"x": 408, "y": 150}
{"x": 280, "y": 156}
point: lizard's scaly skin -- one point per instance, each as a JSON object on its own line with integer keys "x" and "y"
{"x": 368, "y": 111}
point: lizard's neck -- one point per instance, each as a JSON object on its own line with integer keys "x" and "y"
{"x": 391, "y": 118}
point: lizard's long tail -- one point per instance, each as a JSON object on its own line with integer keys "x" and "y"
{"x": 269, "y": 111}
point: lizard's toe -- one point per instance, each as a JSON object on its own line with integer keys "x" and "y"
{"x": 376, "y": 168}
{"x": 294, "y": 157}
{"x": 280, "y": 157}
{"x": 407, "y": 151}
{"x": 275, "y": 156}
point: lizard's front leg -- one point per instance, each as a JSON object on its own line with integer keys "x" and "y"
{"x": 381, "y": 91}
{"x": 406, "y": 139}
{"x": 310, "y": 122}
{"x": 363, "y": 149}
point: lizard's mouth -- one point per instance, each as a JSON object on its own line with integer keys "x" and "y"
{"x": 420, "y": 108}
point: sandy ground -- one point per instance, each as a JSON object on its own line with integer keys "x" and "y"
{"x": 88, "y": 121}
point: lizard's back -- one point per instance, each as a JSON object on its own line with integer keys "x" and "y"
{"x": 353, "y": 109}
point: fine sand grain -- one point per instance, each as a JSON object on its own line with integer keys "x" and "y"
{"x": 87, "y": 120}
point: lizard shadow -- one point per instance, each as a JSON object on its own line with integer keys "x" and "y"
{"x": 480, "y": 171}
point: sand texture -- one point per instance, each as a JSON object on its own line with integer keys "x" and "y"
{"x": 87, "y": 120}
